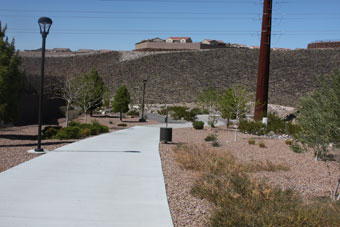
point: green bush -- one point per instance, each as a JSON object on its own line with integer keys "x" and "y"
{"x": 76, "y": 130}
{"x": 133, "y": 113}
{"x": 49, "y": 132}
{"x": 275, "y": 124}
{"x": 178, "y": 112}
{"x": 252, "y": 127}
{"x": 198, "y": 124}
{"x": 71, "y": 132}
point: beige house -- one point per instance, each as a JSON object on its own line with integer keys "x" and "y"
{"x": 178, "y": 40}
{"x": 213, "y": 42}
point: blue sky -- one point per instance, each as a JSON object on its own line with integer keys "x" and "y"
{"x": 119, "y": 24}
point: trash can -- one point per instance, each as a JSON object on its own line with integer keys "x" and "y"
{"x": 166, "y": 135}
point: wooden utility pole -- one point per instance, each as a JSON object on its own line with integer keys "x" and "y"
{"x": 261, "y": 102}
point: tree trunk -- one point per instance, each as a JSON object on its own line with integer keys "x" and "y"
{"x": 120, "y": 116}
{"x": 91, "y": 113}
{"x": 85, "y": 119}
{"x": 67, "y": 113}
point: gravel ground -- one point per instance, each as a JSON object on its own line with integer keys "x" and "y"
{"x": 16, "y": 141}
{"x": 307, "y": 176}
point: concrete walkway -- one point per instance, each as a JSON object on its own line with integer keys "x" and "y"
{"x": 110, "y": 180}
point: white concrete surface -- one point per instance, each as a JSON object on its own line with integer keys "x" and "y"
{"x": 110, "y": 180}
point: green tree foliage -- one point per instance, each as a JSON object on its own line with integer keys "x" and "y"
{"x": 121, "y": 101}
{"x": 227, "y": 105}
{"x": 208, "y": 99}
{"x": 319, "y": 116}
{"x": 11, "y": 79}
{"x": 234, "y": 103}
{"x": 319, "y": 119}
{"x": 92, "y": 91}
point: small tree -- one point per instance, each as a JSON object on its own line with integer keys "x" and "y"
{"x": 92, "y": 91}
{"x": 121, "y": 101}
{"x": 233, "y": 104}
{"x": 11, "y": 79}
{"x": 208, "y": 99}
{"x": 70, "y": 92}
{"x": 227, "y": 106}
{"x": 319, "y": 120}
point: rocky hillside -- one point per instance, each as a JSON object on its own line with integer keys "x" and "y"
{"x": 179, "y": 76}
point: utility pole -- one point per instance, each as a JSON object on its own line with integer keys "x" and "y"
{"x": 261, "y": 102}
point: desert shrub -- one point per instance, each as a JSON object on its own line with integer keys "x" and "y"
{"x": 122, "y": 124}
{"x": 256, "y": 166}
{"x": 288, "y": 142}
{"x": 211, "y": 137}
{"x": 178, "y": 112}
{"x": 162, "y": 111}
{"x": 239, "y": 200}
{"x": 251, "y": 142}
{"x": 252, "y": 127}
{"x": 212, "y": 120}
{"x": 71, "y": 132}
{"x": 296, "y": 147}
{"x": 275, "y": 124}
{"x": 133, "y": 113}
{"x": 262, "y": 145}
{"x": 198, "y": 124}
{"x": 49, "y": 132}
{"x": 201, "y": 158}
{"x": 216, "y": 144}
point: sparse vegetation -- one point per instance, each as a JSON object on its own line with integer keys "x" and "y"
{"x": 262, "y": 145}
{"x": 211, "y": 137}
{"x": 198, "y": 124}
{"x": 251, "y": 142}
{"x": 239, "y": 200}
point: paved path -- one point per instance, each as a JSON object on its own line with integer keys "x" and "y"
{"x": 110, "y": 180}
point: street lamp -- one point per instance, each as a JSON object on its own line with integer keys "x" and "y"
{"x": 142, "y": 119}
{"x": 45, "y": 25}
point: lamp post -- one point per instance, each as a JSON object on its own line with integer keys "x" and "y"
{"x": 45, "y": 25}
{"x": 142, "y": 119}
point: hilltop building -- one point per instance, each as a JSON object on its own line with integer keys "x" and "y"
{"x": 178, "y": 43}
{"x": 324, "y": 45}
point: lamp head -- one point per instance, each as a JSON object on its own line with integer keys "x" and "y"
{"x": 45, "y": 25}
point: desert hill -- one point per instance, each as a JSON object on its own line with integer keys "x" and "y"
{"x": 179, "y": 76}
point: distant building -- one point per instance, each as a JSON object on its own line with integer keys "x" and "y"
{"x": 61, "y": 50}
{"x": 213, "y": 42}
{"x": 254, "y": 47}
{"x": 281, "y": 49}
{"x": 178, "y": 40}
{"x": 324, "y": 44}
{"x": 86, "y": 51}
{"x": 153, "y": 40}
